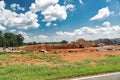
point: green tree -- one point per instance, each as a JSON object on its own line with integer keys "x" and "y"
{"x": 63, "y": 42}
{"x": 35, "y": 43}
{"x": 13, "y": 39}
{"x": 10, "y": 39}
{"x": 2, "y": 41}
{"x": 20, "y": 39}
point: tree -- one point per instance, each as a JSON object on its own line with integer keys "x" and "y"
{"x": 63, "y": 42}
{"x": 2, "y": 41}
{"x": 20, "y": 39}
{"x": 9, "y": 39}
{"x": 0, "y": 32}
{"x": 35, "y": 43}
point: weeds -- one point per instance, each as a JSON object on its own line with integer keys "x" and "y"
{"x": 43, "y": 72}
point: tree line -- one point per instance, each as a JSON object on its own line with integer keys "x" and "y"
{"x": 36, "y": 43}
{"x": 10, "y": 39}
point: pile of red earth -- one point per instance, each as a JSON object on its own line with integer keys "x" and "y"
{"x": 80, "y": 43}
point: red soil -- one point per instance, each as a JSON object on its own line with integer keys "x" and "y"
{"x": 69, "y": 55}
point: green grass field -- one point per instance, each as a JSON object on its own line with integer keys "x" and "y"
{"x": 44, "y": 72}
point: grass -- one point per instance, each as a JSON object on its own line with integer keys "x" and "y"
{"x": 54, "y": 58}
{"x": 43, "y": 72}
{"x": 6, "y": 56}
{"x": 22, "y": 57}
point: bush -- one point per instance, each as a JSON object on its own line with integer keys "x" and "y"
{"x": 55, "y": 52}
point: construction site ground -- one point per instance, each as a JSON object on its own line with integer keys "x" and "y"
{"x": 56, "y": 56}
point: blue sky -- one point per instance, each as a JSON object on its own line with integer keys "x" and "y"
{"x": 56, "y": 20}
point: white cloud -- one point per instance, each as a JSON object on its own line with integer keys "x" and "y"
{"x": 119, "y": 14}
{"x": 67, "y": 2}
{"x": 13, "y": 30}
{"x": 112, "y": 13}
{"x": 51, "y": 10}
{"x": 102, "y": 14}
{"x": 2, "y": 28}
{"x": 17, "y": 7}
{"x": 48, "y": 24}
{"x": 108, "y": 1}
{"x": 89, "y": 33}
{"x": 54, "y": 24}
{"x": 26, "y": 21}
{"x": 40, "y": 38}
{"x": 2, "y": 5}
{"x": 21, "y": 21}
{"x": 29, "y": 38}
{"x": 81, "y": 2}
{"x": 26, "y": 36}
{"x": 60, "y": 33}
{"x": 70, "y": 7}
{"x": 107, "y": 24}
{"x": 56, "y": 12}
{"x": 41, "y": 5}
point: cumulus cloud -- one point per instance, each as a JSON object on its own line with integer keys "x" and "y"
{"x": 26, "y": 36}
{"x": 107, "y": 24}
{"x": 41, "y": 5}
{"x": 51, "y": 10}
{"x": 2, "y": 5}
{"x": 89, "y": 33}
{"x": 2, "y": 28}
{"x": 102, "y": 14}
{"x": 29, "y": 38}
{"x": 70, "y": 7}
{"x": 80, "y": 1}
{"x": 67, "y": 2}
{"x": 13, "y": 19}
{"x": 48, "y": 24}
{"x": 40, "y": 38}
{"x": 13, "y": 30}
{"x": 56, "y": 12}
{"x": 54, "y": 24}
{"x": 17, "y": 7}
